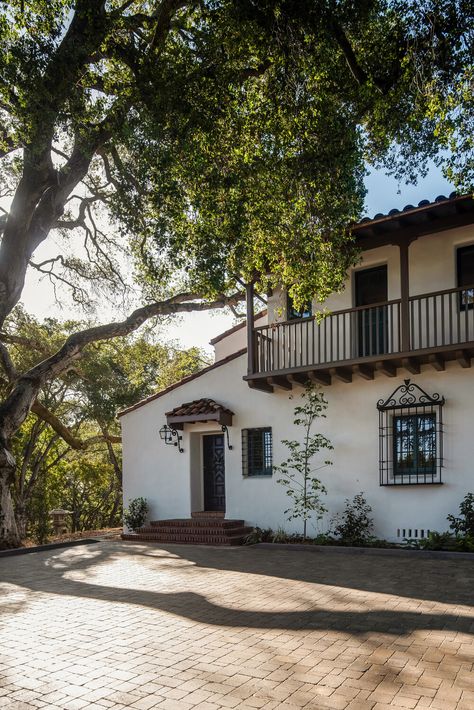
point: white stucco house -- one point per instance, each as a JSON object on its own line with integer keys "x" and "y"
{"x": 407, "y": 313}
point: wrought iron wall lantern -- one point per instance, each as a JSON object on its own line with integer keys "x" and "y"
{"x": 225, "y": 431}
{"x": 167, "y": 434}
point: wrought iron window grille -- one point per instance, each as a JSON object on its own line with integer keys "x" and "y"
{"x": 167, "y": 434}
{"x": 257, "y": 452}
{"x": 410, "y": 436}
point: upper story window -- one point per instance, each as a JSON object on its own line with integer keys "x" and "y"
{"x": 257, "y": 457}
{"x": 293, "y": 313}
{"x": 465, "y": 269}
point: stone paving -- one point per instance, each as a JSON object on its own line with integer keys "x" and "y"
{"x": 124, "y": 625}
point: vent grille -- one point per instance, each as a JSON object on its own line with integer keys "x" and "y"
{"x": 413, "y": 533}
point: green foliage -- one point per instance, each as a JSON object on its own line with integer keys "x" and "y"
{"x": 108, "y": 377}
{"x": 135, "y": 515}
{"x": 464, "y": 524}
{"x": 354, "y": 525}
{"x": 297, "y": 472}
{"x": 236, "y": 134}
{"x": 259, "y": 535}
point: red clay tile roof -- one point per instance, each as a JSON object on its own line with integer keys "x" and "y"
{"x": 198, "y": 406}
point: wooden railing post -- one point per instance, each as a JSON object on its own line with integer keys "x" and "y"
{"x": 405, "y": 295}
{"x": 250, "y": 330}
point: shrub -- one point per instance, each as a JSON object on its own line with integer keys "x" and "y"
{"x": 280, "y": 536}
{"x": 259, "y": 535}
{"x": 464, "y": 524}
{"x": 135, "y": 515}
{"x": 354, "y": 525}
{"x": 447, "y": 541}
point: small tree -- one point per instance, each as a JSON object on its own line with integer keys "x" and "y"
{"x": 297, "y": 473}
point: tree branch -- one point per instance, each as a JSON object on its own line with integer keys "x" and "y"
{"x": 66, "y": 434}
{"x": 7, "y": 363}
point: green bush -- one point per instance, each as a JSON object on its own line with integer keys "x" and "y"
{"x": 135, "y": 515}
{"x": 464, "y": 524}
{"x": 354, "y": 525}
{"x": 259, "y": 535}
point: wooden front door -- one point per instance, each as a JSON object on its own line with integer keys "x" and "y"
{"x": 372, "y": 323}
{"x": 214, "y": 472}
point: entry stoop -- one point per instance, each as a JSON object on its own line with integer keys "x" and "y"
{"x": 202, "y": 528}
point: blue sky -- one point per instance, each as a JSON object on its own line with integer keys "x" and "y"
{"x": 384, "y": 193}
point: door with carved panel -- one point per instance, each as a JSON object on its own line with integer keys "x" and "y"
{"x": 214, "y": 472}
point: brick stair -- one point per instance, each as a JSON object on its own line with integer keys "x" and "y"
{"x": 203, "y": 528}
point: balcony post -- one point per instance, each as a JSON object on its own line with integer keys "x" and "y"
{"x": 405, "y": 295}
{"x": 250, "y": 329}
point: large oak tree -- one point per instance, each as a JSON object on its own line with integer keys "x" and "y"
{"x": 182, "y": 147}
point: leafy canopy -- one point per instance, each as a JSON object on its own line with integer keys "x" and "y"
{"x": 228, "y": 138}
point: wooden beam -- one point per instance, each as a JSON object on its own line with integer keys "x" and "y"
{"x": 321, "y": 378}
{"x": 463, "y": 358}
{"x": 387, "y": 368}
{"x": 260, "y": 385}
{"x": 436, "y": 360}
{"x": 299, "y": 378}
{"x": 365, "y": 371}
{"x": 250, "y": 330}
{"x": 411, "y": 364}
{"x": 342, "y": 373}
{"x": 280, "y": 381}
{"x": 405, "y": 293}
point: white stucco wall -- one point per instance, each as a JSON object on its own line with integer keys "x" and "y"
{"x": 432, "y": 266}
{"x": 172, "y": 482}
{"x": 233, "y": 342}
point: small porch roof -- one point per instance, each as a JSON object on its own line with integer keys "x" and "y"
{"x": 199, "y": 410}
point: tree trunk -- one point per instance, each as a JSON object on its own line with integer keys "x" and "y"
{"x": 9, "y": 535}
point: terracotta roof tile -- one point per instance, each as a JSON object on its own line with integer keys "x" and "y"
{"x": 198, "y": 406}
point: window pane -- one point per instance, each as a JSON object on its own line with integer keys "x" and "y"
{"x": 426, "y": 447}
{"x": 257, "y": 452}
{"x": 405, "y": 443}
{"x": 292, "y": 313}
{"x": 414, "y": 440}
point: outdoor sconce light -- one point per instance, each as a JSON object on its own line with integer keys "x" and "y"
{"x": 167, "y": 434}
{"x": 225, "y": 431}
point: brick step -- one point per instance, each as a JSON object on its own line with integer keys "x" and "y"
{"x": 194, "y": 523}
{"x": 207, "y": 514}
{"x": 200, "y": 531}
{"x": 185, "y": 539}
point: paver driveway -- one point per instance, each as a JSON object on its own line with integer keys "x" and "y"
{"x": 117, "y": 625}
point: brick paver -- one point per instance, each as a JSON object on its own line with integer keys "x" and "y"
{"x": 117, "y": 625}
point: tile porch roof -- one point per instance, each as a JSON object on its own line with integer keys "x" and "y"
{"x": 198, "y": 406}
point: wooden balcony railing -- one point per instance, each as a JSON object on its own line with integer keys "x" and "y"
{"x": 436, "y": 320}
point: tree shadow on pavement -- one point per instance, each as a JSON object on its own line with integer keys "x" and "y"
{"x": 444, "y": 582}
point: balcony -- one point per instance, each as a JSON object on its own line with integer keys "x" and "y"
{"x": 404, "y": 333}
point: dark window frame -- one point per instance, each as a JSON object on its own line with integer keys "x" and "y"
{"x": 417, "y": 469}
{"x": 466, "y": 298}
{"x": 293, "y": 314}
{"x": 252, "y": 467}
